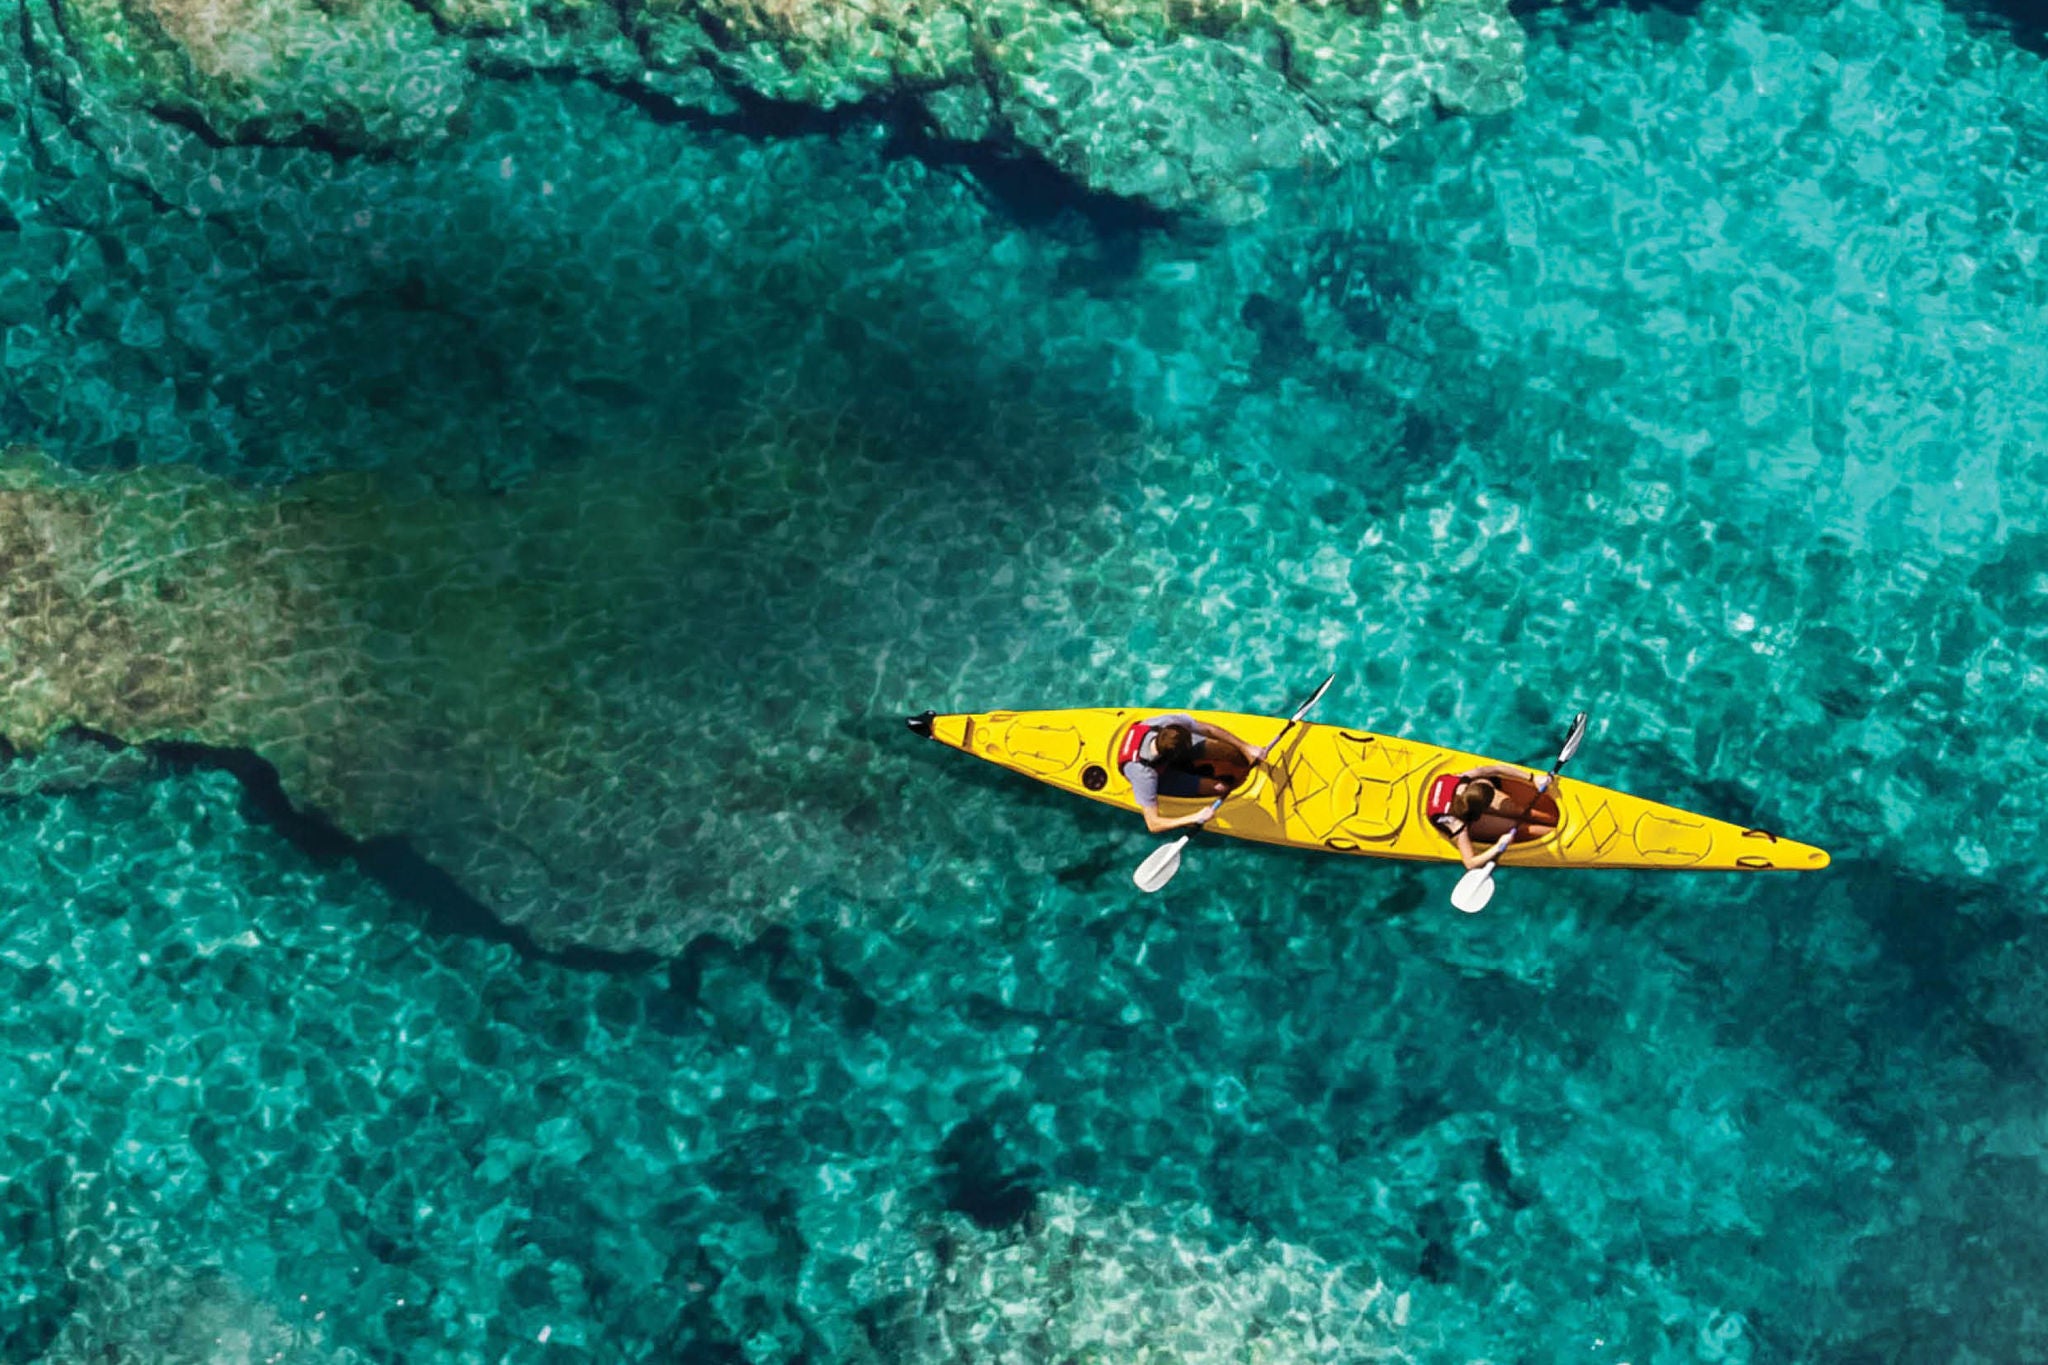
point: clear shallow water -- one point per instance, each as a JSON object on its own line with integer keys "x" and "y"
{"x": 1701, "y": 389}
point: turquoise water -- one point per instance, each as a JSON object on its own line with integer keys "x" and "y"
{"x": 1704, "y": 389}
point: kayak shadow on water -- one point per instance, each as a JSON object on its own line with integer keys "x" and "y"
{"x": 1093, "y": 868}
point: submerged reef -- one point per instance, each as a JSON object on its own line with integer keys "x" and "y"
{"x": 1093, "y": 1282}
{"x": 157, "y": 1316}
{"x": 1178, "y": 105}
{"x": 499, "y": 680}
{"x": 571, "y": 697}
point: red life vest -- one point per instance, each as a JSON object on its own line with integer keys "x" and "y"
{"x": 1440, "y": 793}
{"x": 1133, "y": 740}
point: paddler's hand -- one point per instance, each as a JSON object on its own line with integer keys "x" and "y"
{"x": 1256, "y": 753}
{"x": 1500, "y": 846}
{"x": 1543, "y": 781}
{"x": 1208, "y": 812}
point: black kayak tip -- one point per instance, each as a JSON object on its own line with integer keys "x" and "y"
{"x": 921, "y": 723}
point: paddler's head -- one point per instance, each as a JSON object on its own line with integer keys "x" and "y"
{"x": 1172, "y": 745}
{"x": 1472, "y": 799}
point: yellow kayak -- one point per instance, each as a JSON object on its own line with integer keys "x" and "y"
{"x": 1338, "y": 789}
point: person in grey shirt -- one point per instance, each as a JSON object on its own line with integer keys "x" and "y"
{"x": 1159, "y": 758}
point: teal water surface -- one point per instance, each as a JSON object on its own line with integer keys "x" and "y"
{"x": 1704, "y": 390}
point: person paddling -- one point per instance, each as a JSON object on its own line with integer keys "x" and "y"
{"x": 1160, "y": 757}
{"x": 1475, "y": 800}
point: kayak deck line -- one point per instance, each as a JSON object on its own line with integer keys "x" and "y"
{"x": 1341, "y": 789}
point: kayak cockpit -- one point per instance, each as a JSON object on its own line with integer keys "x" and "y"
{"x": 1531, "y": 816}
{"x": 1538, "y": 822}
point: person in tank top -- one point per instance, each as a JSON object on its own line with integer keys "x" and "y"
{"x": 1479, "y": 800}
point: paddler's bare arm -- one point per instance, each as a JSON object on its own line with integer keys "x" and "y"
{"x": 1476, "y": 860}
{"x": 1158, "y": 824}
{"x": 1253, "y": 752}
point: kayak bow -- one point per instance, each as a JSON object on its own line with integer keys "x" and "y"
{"x": 1337, "y": 789}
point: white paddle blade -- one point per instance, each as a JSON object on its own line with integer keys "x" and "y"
{"x": 1315, "y": 697}
{"x": 1474, "y": 890}
{"x": 1157, "y": 870}
{"x": 1572, "y": 738}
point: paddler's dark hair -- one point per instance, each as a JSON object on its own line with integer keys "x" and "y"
{"x": 1173, "y": 743}
{"x": 1472, "y": 799}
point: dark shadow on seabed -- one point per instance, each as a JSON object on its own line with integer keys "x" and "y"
{"x": 445, "y": 909}
{"x": 417, "y": 311}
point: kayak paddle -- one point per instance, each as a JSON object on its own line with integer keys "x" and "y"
{"x": 1475, "y": 888}
{"x": 1158, "y": 869}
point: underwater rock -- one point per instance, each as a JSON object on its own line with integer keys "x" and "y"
{"x": 1188, "y": 117}
{"x": 1098, "y": 1282}
{"x": 369, "y": 74}
{"x": 158, "y": 1316}
{"x": 1179, "y": 106}
{"x": 72, "y": 762}
{"x": 554, "y": 694}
